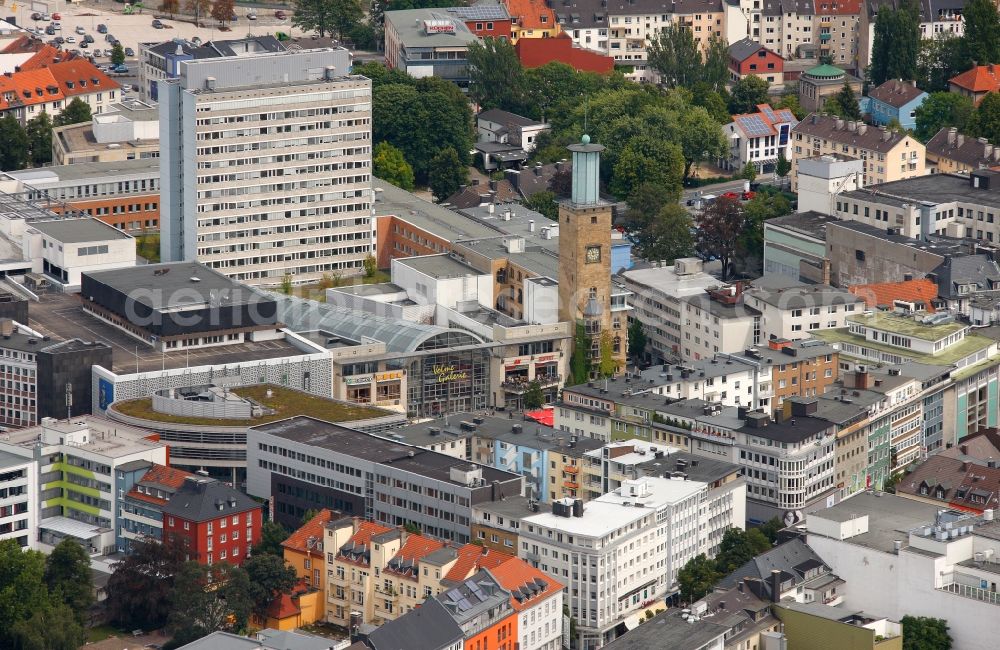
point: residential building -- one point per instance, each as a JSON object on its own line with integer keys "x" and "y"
{"x": 430, "y": 42}
{"x": 888, "y": 155}
{"x": 967, "y": 484}
{"x": 584, "y": 545}
{"x": 951, "y": 152}
{"x": 51, "y": 87}
{"x": 531, "y": 19}
{"x": 748, "y": 57}
{"x": 147, "y": 488}
{"x": 485, "y": 21}
{"x": 128, "y": 130}
{"x": 366, "y": 475}
{"x": 787, "y": 28}
{"x": 795, "y": 245}
{"x": 585, "y": 292}
{"x": 212, "y": 521}
{"x": 430, "y": 627}
{"x": 18, "y": 499}
{"x": 536, "y": 52}
{"x": 819, "y": 83}
{"x": 976, "y": 82}
{"x": 76, "y": 463}
{"x": 201, "y": 218}
{"x": 722, "y": 321}
{"x": 496, "y": 127}
{"x": 895, "y": 101}
{"x": 483, "y": 610}
{"x": 304, "y": 551}
{"x": 841, "y": 628}
{"x": 905, "y": 558}
{"x": 124, "y": 193}
{"x": 791, "y": 572}
{"x": 838, "y": 28}
{"x": 788, "y": 369}
{"x": 673, "y": 630}
{"x": 796, "y": 312}
{"x": 760, "y": 138}
{"x": 788, "y": 461}
{"x": 44, "y": 378}
{"x": 159, "y": 62}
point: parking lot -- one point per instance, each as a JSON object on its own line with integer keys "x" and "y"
{"x": 137, "y": 28}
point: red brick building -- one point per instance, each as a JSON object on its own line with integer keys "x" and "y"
{"x": 536, "y": 52}
{"x": 484, "y": 20}
{"x": 217, "y": 523}
{"x": 748, "y": 57}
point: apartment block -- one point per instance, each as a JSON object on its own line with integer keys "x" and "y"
{"x": 795, "y": 312}
{"x": 213, "y": 521}
{"x": 18, "y": 499}
{"x": 303, "y": 127}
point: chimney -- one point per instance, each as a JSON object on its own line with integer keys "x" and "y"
{"x": 964, "y": 449}
{"x": 959, "y": 140}
{"x": 862, "y": 129}
{"x": 775, "y": 585}
{"x": 862, "y": 380}
{"x": 852, "y": 126}
{"x": 840, "y": 124}
{"x": 952, "y": 131}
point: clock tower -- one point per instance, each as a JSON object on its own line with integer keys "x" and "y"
{"x": 585, "y": 259}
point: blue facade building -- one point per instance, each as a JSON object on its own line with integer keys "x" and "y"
{"x": 894, "y": 100}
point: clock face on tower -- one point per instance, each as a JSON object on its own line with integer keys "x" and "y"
{"x": 593, "y": 254}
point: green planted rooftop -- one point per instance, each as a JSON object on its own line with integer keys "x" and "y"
{"x": 284, "y": 402}
{"x": 907, "y": 326}
{"x": 947, "y": 357}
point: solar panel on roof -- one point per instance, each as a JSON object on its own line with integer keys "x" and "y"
{"x": 464, "y": 604}
{"x": 754, "y": 125}
{"x": 455, "y": 595}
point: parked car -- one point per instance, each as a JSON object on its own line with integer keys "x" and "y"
{"x": 71, "y": 39}
{"x": 157, "y": 24}
{"x": 84, "y": 44}
{"x": 109, "y": 38}
{"x": 196, "y": 40}
{"x": 36, "y": 16}
{"x": 102, "y": 29}
{"x": 80, "y": 30}
{"x": 56, "y": 16}
{"x": 50, "y": 30}
{"x": 46, "y": 17}
{"x": 121, "y": 68}
{"x": 128, "y": 52}
{"x": 56, "y": 26}
{"x": 280, "y": 15}
{"x": 251, "y": 16}
{"x": 88, "y": 39}
{"x": 59, "y": 39}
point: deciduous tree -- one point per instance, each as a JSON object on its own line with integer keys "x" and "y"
{"x": 848, "y": 103}
{"x": 76, "y": 111}
{"x": 169, "y": 6}
{"x": 747, "y": 93}
{"x": 269, "y": 577}
{"x": 117, "y": 54}
{"x": 985, "y": 120}
{"x": 940, "y": 58}
{"x": 896, "y": 43}
{"x": 68, "y": 577}
{"x": 207, "y": 599}
{"x": 719, "y": 228}
{"x": 545, "y": 203}
{"x": 940, "y": 110}
{"x": 272, "y": 534}
{"x": 446, "y": 174}
{"x": 701, "y": 138}
{"x": 982, "y": 31}
{"x": 674, "y": 54}
{"x": 52, "y": 627}
{"x": 222, "y": 11}
{"x": 22, "y": 585}
{"x": 13, "y": 144}
{"x": 783, "y": 167}
{"x": 637, "y": 339}
{"x": 390, "y": 164}
{"x": 606, "y": 364}
{"x": 697, "y": 577}
{"x": 199, "y": 8}
{"x": 497, "y": 79}
{"x": 668, "y": 235}
{"x": 140, "y": 585}
{"x": 39, "y": 132}
{"x": 327, "y": 16}
{"x": 648, "y": 159}
{"x": 534, "y": 397}
{"x": 739, "y": 547}
{"x": 925, "y": 633}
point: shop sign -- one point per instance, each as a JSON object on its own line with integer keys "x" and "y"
{"x": 445, "y": 373}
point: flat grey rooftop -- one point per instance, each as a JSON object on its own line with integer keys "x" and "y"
{"x": 536, "y": 259}
{"x": 697, "y": 468}
{"x": 669, "y": 630}
{"x": 178, "y": 284}
{"x": 8, "y": 459}
{"x": 511, "y": 507}
{"x": 932, "y": 188}
{"x": 409, "y": 24}
{"x": 116, "y": 170}
{"x": 811, "y": 223}
{"x": 79, "y": 231}
{"x": 799, "y": 297}
{"x": 439, "y": 266}
{"x": 339, "y": 439}
{"x": 890, "y": 517}
{"x": 441, "y": 222}
{"x": 936, "y": 244}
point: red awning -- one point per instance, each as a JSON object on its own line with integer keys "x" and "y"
{"x": 544, "y": 416}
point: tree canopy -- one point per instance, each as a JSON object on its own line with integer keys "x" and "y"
{"x": 720, "y": 226}
{"x": 389, "y": 163}
{"x": 497, "y": 79}
{"x": 75, "y": 112}
{"x": 327, "y": 17}
{"x": 697, "y": 577}
{"x": 925, "y": 633}
{"x": 68, "y": 576}
{"x": 140, "y": 586}
{"x": 14, "y": 146}
{"x": 446, "y": 174}
{"x": 272, "y": 534}
{"x": 896, "y": 43}
{"x": 747, "y": 93}
{"x": 269, "y": 577}
{"x": 985, "y": 120}
{"x": 982, "y": 31}
{"x": 940, "y": 110}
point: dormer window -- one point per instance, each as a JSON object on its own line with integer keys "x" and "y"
{"x": 69, "y": 84}
{"x": 83, "y": 83}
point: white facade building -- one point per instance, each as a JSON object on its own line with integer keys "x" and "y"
{"x": 620, "y": 553}
{"x": 18, "y": 499}
{"x": 794, "y": 313}
{"x": 266, "y": 166}
{"x": 902, "y": 557}
{"x": 63, "y": 249}
{"x": 760, "y": 138}
{"x": 76, "y": 461}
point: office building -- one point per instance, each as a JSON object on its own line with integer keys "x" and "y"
{"x": 384, "y": 480}
{"x": 304, "y": 123}
{"x": 129, "y": 130}
{"x": 905, "y": 558}
{"x": 428, "y": 42}
{"x": 795, "y": 312}
{"x": 18, "y": 499}
{"x": 76, "y": 463}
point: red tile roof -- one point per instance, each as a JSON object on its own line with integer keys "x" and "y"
{"x": 83, "y": 76}
{"x": 882, "y": 294}
{"x": 283, "y": 607}
{"x": 167, "y": 476}
{"x": 528, "y": 14}
{"x": 29, "y": 88}
{"x": 515, "y": 573}
{"x": 536, "y": 52}
{"x": 980, "y": 79}
{"x": 471, "y": 559}
{"x": 838, "y": 7}
{"x": 46, "y": 55}
{"x": 416, "y": 547}
{"x": 362, "y": 537}
{"x": 314, "y": 528}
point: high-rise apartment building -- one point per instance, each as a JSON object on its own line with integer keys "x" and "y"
{"x": 266, "y": 165}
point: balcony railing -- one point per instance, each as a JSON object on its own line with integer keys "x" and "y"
{"x": 571, "y": 469}
{"x": 968, "y": 591}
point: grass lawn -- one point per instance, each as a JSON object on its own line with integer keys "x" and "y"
{"x": 148, "y": 246}
{"x": 285, "y": 402}
{"x": 102, "y": 632}
{"x": 317, "y": 290}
